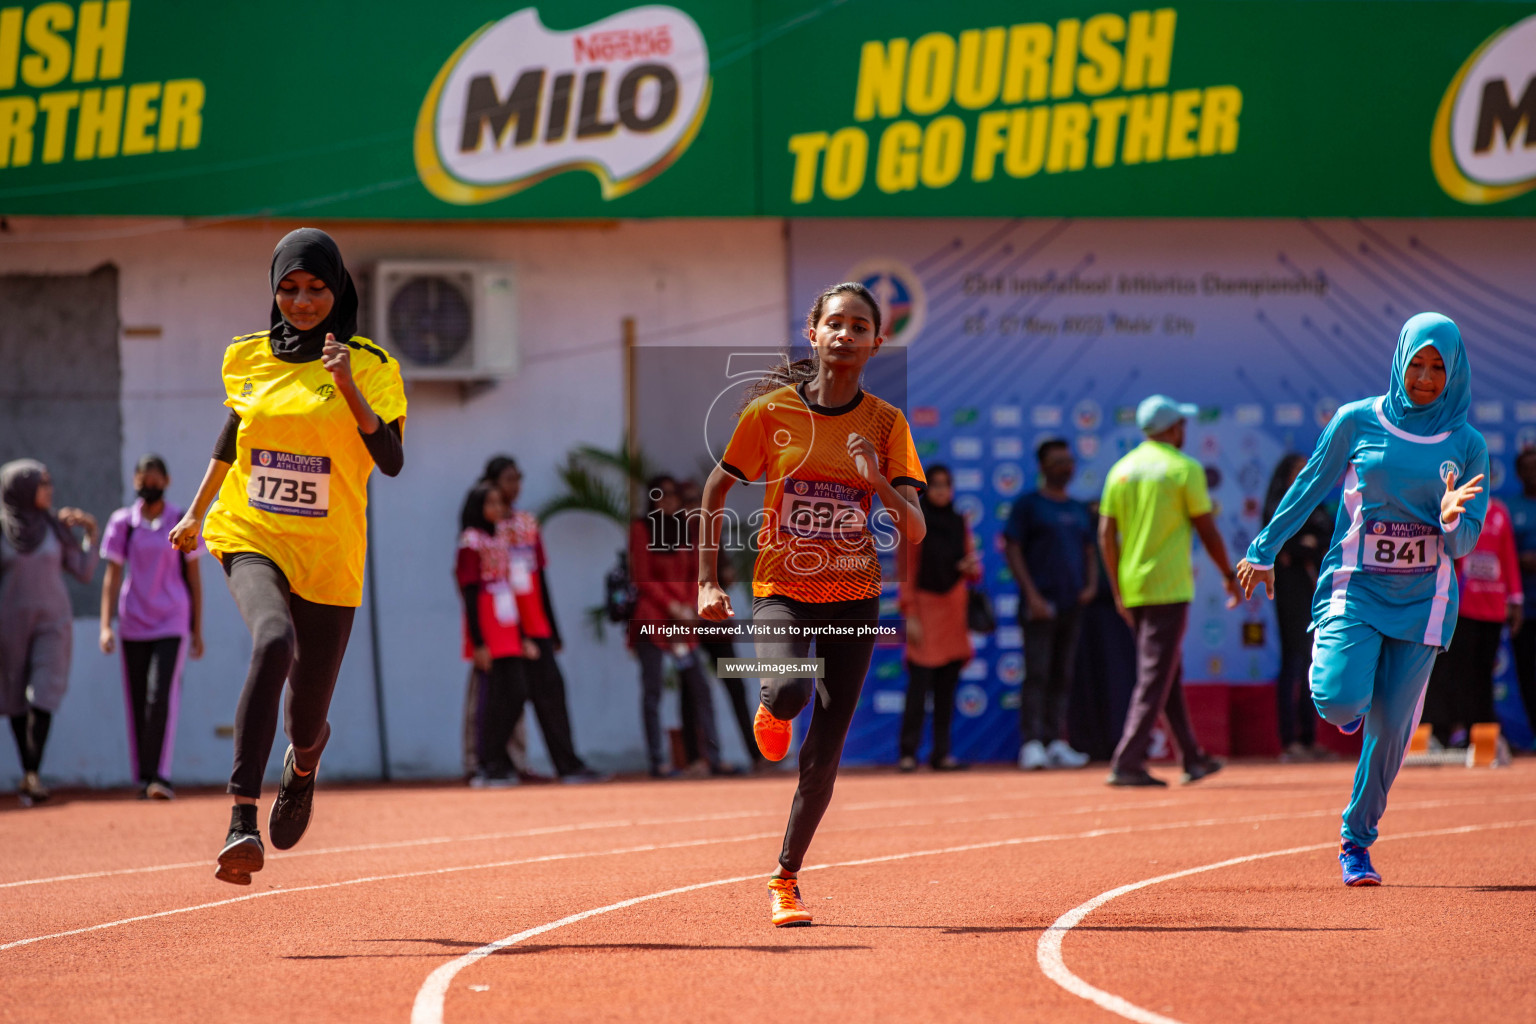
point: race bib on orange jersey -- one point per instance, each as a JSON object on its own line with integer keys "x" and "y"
{"x": 822, "y": 510}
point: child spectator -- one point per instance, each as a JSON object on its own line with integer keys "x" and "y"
{"x": 492, "y": 640}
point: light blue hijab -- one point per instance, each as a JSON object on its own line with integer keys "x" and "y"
{"x": 1449, "y": 410}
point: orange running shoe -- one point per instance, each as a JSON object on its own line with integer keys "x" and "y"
{"x": 772, "y": 734}
{"x": 788, "y": 908}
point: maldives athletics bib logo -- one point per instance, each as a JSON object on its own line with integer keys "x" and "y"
{"x": 1483, "y": 149}
{"x": 517, "y": 103}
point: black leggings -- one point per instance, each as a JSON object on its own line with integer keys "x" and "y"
{"x": 503, "y": 695}
{"x": 846, "y": 663}
{"x": 546, "y": 691}
{"x": 292, "y": 640}
{"x": 150, "y": 675}
{"x": 31, "y": 732}
{"x": 921, "y": 681}
{"x": 1460, "y": 690}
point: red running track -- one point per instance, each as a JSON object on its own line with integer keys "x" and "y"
{"x": 987, "y": 895}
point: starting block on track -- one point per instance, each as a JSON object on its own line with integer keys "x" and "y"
{"x": 1486, "y": 748}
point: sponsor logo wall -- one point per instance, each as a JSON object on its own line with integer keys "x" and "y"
{"x": 1041, "y": 328}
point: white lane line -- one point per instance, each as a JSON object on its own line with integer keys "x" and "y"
{"x": 428, "y": 1007}
{"x": 387, "y": 878}
{"x": 649, "y": 848}
{"x": 549, "y": 830}
{"x": 1048, "y": 949}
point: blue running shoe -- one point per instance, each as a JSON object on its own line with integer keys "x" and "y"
{"x": 1352, "y": 727}
{"x": 1356, "y": 862}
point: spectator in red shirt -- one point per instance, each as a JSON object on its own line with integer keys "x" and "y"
{"x": 664, "y": 567}
{"x": 519, "y": 531}
{"x": 1460, "y": 692}
{"x": 493, "y": 641}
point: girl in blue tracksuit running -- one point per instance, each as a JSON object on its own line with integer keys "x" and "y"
{"x": 1386, "y": 597}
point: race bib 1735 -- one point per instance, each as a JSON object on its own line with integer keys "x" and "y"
{"x": 288, "y": 484}
{"x": 1400, "y": 547}
{"x": 821, "y": 509}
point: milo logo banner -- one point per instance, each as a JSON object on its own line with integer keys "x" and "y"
{"x": 517, "y": 104}
{"x": 1015, "y": 332}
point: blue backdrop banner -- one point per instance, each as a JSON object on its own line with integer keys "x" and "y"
{"x": 1016, "y": 331}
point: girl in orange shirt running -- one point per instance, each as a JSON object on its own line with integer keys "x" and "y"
{"x": 824, "y": 448}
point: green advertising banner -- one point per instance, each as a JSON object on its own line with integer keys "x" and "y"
{"x": 582, "y": 108}
{"x": 590, "y": 108}
{"x": 1205, "y": 108}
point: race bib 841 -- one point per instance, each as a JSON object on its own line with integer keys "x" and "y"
{"x": 288, "y": 484}
{"x": 1400, "y": 547}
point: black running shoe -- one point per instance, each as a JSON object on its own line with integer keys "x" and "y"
{"x": 1141, "y": 778}
{"x": 243, "y": 852}
{"x": 291, "y": 809}
{"x": 1207, "y": 765}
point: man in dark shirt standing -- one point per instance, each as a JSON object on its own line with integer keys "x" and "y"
{"x": 1051, "y": 554}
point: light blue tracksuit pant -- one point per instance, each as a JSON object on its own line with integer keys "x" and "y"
{"x": 1357, "y": 670}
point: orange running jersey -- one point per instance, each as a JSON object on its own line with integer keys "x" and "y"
{"x": 814, "y": 541}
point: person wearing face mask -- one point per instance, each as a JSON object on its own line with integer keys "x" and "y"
{"x": 313, "y": 409}
{"x": 37, "y": 548}
{"x": 1049, "y": 545}
{"x": 1386, "y": 599}
{"x": 156, "y": 592}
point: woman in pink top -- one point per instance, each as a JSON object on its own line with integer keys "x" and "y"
{"x": 1460, "y": 692}
{"x": 156, "y": 594}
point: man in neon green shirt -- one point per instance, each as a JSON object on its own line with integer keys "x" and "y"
{"x": 1153, "y": 499}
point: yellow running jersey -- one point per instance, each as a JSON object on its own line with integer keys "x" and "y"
{"x": 298, "y": 489}
{"x": 814, "y": 542}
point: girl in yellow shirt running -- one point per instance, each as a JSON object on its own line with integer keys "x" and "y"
{"x": 310, "y": 417}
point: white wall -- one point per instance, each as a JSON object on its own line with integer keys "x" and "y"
{"x": 683, "y": 281}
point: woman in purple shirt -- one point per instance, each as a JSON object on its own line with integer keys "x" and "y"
{"x": 159, "y": 611}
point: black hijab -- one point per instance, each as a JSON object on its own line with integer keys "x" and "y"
{"x": 942, "y": 548}
{"x": 24, "y": 523}
{"x": 314, "y": 251}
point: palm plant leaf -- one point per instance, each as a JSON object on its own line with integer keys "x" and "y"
{"x": 586, "y": 491}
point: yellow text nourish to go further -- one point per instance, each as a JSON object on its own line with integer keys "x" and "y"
{"x": 1032, "y": 97}
{"x": 60, "y": 44}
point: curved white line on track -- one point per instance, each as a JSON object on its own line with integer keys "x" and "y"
{"x": 1048, "y": 949}
{"x": 714, "y": 841}
{"x": 428, "y": 1007}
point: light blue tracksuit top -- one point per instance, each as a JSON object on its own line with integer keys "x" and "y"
{"x": 1391, "y": 562}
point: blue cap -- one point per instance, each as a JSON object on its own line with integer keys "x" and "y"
{"x": 1159, "y": 412}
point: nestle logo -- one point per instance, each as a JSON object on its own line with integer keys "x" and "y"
{"x": 623, "y": 44}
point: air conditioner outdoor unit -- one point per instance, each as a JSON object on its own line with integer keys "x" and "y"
{"x": 452, "y": 321}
